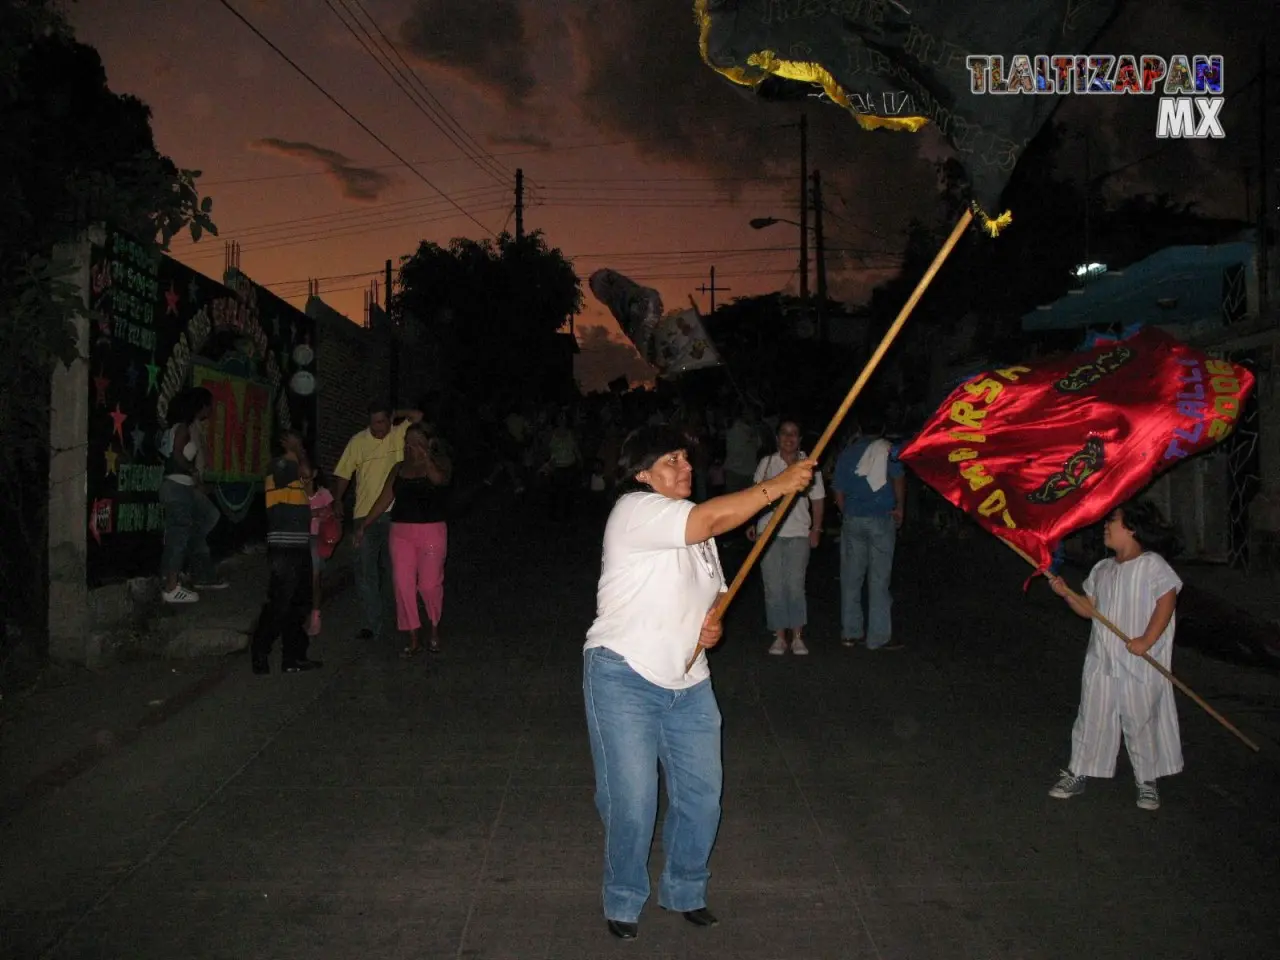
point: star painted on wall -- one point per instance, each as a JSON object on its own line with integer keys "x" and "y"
{"x": 118, "y": 417}
{"x": 131, "y": 375}
{"x": 193, "y": 291}
{"x": 113, "y": 460}
{"x": 139, "y": 436}
{"x": 100, "y": 384}
{"x": 153, "y": 372}
{"x": 171, "y": 301}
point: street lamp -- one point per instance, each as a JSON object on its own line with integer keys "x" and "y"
{"x": 761, "y": 223}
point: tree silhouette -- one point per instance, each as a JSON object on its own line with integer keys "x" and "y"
{"x": 73, "y": 154}
{"x": 490, "y": 309}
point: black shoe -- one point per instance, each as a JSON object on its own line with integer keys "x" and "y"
{"x": 261, "y": 667}
{"x": 300, "y": 665}
{"x": 891, "y": 645}
{"x": 623, "y": 930}
{"x": 702, "y": 917}
{"x": 365, "y": 634}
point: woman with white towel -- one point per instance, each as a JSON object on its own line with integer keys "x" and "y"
{"x": 870, "y": 490}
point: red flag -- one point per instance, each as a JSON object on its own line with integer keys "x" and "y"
{"x": 1036, "y": 452}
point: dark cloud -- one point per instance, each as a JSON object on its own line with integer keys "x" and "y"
{"x": 482, "y": 42}
{"x": 641, "y": 77}
{"x": 520, "y": 140}
{"x": 633, "y": 71}
{"x": 354, "y": 183}
{"x": 1119, "y": 132}
{"x": 606, "y": 355}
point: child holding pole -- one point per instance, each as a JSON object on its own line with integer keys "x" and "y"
{"x": 1136, "y": 590}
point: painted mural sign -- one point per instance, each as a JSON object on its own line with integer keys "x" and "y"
{"x": 160, "y": 327}
{"x": 238, "y": 438}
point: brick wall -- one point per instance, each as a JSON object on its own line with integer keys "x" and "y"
{"x": 352, "y": 363}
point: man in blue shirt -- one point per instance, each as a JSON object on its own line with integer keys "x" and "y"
{"x": 870, "y": 490}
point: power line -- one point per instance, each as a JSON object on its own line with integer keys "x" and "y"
{"x": 711, "y": 251}
{"x": 380, "y": 57}
{"x": 442, "y": 160}
{"x": 337, "y": 276}
{"x": 487, "y": 192}
{"x": 668, "y": 180}
{"x": 360, "y": 123}
{"x": 338, "y": 216}
{"x": 340, "y": 233}
{"x": 503, "y": 172}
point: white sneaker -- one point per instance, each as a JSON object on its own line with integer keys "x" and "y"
{"x": 1148, "y": 795}
{"x": 179, "y": 594}
{"x": 778, "y": 647}
{"x": 798, "y": 647}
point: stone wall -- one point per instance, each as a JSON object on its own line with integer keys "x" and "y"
{"x": 156, "y": 326}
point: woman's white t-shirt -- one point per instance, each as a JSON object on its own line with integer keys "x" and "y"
{"x": 655, "y": 590}
{"x": 193, "y": 453}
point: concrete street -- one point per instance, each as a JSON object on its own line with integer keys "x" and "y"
{"x": 889, "y": 805}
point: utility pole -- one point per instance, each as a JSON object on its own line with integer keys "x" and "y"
{"x": 1264, "y": 220}
{"x": 712, "y": 289}
{"x": 1088, "y": 194}
{"x": 519, "y": 204}
{"x": 804, "y": 215}
{"x": 820, "y": 254}
{"x": 393, "y": 364}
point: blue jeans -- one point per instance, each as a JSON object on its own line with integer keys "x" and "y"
{"x": 866, "y": 553}
{"x": 634, "y": 725}
{"x": 783, "y": 568}
{"x": 189, "y": 518}
{"x": 375, "y": 572}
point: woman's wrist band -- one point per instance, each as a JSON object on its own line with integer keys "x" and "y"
{"x": 765, "y": 491}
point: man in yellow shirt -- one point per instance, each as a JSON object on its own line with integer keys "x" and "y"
{"x": 369, "y": 456}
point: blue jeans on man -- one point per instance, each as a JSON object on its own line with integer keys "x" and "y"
{"x": 866, "y": 555}
{"x": 634, "y": 725}
{"x": 374, "y": 572}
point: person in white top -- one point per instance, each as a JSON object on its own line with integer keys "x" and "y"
{"x": 1120, "y": 692}
{"x": 786, "y": 559}
{"x": 659, "y": 579}
{"x": 189, "y": 515}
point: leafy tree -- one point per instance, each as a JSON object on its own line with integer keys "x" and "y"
{"x": 73, "y": 154}
{"x": 490, "y": 308}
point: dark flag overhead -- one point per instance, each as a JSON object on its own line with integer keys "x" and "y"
{"x": 674, "y": 342}
{"x": 898, "y": 66}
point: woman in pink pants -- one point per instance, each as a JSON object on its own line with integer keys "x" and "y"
{"x": 416, "y": 493}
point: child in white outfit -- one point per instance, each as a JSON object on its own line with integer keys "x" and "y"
{"x": 1121, "y": 693}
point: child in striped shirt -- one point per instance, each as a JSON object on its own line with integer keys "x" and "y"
{"x": 1121, "y": 694}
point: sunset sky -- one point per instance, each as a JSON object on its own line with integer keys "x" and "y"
{"x": 636, "y": 156}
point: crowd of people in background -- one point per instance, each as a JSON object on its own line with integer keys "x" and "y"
{"x": 669, "y": 484}
{"x": 401, "y": 478}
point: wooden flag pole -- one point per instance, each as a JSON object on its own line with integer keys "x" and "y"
{"x": 1146, "y": 656}
{"x": 886, "y": 342}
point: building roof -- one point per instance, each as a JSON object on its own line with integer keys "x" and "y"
{"x": 1192, "y": 286}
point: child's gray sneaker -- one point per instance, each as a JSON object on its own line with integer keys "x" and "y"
{"x": 1068, "y": 786}
{"x": 1148, "y": 795}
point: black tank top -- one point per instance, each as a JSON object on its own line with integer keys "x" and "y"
{"x": 418, "y": 500}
